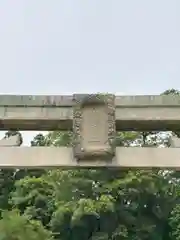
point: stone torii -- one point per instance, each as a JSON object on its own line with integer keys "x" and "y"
{"x": 94, "y": 120}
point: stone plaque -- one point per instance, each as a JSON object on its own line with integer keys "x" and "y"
{"x": 94, "y": 127}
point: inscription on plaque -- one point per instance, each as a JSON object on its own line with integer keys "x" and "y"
{"x": 94, "y": 127}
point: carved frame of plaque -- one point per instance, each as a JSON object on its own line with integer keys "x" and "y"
{"x": 82, "y": 101}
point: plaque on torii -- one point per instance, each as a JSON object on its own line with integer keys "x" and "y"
{"x": 94, "y": 127}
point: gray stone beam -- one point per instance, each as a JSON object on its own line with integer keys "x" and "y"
{"x": 56, "y": 112}
{"x": 53, "y": 157}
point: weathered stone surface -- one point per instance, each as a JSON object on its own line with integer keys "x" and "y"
{"x": 67, "y": 100}
{"x": 148, "y": 118}
{"x": 147, "y": 100}
{"x": 12, "y": 141}
{"x": 36, "y": 118}
{"x": 94, "y": 127}
{"x": 56, "y": 112}
{"x": 36, "y": 100}
{"x": 53, "y": 157}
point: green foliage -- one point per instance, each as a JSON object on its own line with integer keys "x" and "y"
{"x": 33, "y": 197}
{"x": 14, "y": 226}
{"x": 175, "y": 222}
{"x": 171, "y": 92}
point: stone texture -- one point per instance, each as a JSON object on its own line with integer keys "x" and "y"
{"x": 13, "y": 141}
{"x": 67, "y": 101}
{"x": 56, "y": 112}
{"x": 53, "y": 157}
{"x": 36, "y": 100}
{"x": 147, "y": 100}
{"x": 94, "y": 114}
{"x": 148, "y": 118}
{"x": 36, "y": 118}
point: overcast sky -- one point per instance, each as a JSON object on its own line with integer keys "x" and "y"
{"x": 67, "y": 46}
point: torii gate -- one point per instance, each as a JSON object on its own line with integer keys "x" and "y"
{"x": 94, "y": 119}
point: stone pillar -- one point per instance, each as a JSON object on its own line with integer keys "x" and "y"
{"x": 94, "y": 127}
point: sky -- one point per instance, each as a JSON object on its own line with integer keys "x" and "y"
{"x": 124, "y": 47}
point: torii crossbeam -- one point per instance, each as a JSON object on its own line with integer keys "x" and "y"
{"x": 94, "y": 120}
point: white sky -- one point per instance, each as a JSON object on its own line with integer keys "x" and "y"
{"x": 67, "y": 46}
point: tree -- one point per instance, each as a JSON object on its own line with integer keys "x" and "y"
{"x": 14, "y": 226}
{"x": 34, "y": 198}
